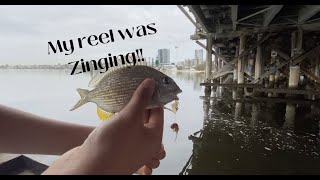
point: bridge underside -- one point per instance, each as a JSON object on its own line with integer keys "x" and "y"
{"x": 259, "y": 43}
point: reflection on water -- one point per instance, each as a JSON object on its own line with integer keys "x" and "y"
{"x": 266, "y": 137}
{"x": 217, "y": 135}
{"x": 191, "y": 77}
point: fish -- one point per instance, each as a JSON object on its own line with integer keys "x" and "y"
{"x": 113, "y": 89}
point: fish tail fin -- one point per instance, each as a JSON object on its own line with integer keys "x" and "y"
{"x": 83, "y": 94}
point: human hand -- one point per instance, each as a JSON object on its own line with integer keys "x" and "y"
{"x": 128, "y": 142}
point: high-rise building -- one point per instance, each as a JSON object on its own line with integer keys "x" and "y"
{"x": 164, "y": 56}
{"x": 198, "y": 54}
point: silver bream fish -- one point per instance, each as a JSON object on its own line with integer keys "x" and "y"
{"x": 114, "y": 89}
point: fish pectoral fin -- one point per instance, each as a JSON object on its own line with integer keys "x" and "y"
{"x": 103, "y": 115}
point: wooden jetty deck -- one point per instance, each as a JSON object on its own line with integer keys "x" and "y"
{"x": 274, "y": 100}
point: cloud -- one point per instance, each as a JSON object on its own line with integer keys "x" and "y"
{"x": 26, "y": 30}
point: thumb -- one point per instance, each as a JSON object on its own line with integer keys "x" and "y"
{"x": 141, "y": 97}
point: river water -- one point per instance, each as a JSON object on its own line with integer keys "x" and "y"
{"x": 217, "y": 135}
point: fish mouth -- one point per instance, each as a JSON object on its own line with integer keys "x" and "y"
{"x": 175, "y": 97}
{"x": 178, "y": 91}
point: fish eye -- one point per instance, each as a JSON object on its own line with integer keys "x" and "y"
{"x": 166, "y": 80}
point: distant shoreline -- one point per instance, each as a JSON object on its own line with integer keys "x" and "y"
{"x": 173, "y": 70}
{"x": 184, "y": 70}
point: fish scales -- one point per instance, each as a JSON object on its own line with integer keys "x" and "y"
{"x": 116, "y": 88}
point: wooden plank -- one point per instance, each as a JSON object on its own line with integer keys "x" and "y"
{"x": 281, "y": 53}
{"x": 254, "y": 14}
{"x": 270, "y": 29}
{"x": 293, "y": 61}
{"x": 307, "y": 55}
{"x": 233, "y": 85}
{"x": 188, "y": 16}
{"x": 264, "y": 99}
{"x": 229, "y": 70}
{"x": 275, "y": 9}
{"x": 310, "y": 74}
{"x": 213, "y": 52}
{"x": 234, "y": 16}
{"x": 246, "y": 75}
{"x": 287, "y": 91}
{"x": 197, "y": 12}
{"x": 229, "y": 65}
{"x": 307, "y": 12}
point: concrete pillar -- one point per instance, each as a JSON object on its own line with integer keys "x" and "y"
{"x": 294, "y": 77}
{"x": 277, "y": 75}
{"x": 254, "y": 114}
{"x": 238, "y": 110}
{"x": 250, "y": 66}
{"x": 219, "y": 64}
{"x": 317, "y": 67}
{"x": 209, "y": 58}
{"x": 206, "y": 109}
{"x": 235, "y": 70}
{"x": 208, "y": 63}
{"x": 290, "y": 116}
{"x": 234, "y": 93}
{"x": 241, "y": 60}
{"x": 219, "y": 91}
{"x": 317, "y": 72}
{"x": 296, "y": 47}
{"x": 258, "y": 63}
{"x": 218, "y": 59}
{"x": 235, "y": 75}
{"x": 271, "y": 83}
{"x": 299, "y": 42}
{"x": 293, "y": 43}
{"x": 309, "y": 87}
{"x": 216, "y": 67}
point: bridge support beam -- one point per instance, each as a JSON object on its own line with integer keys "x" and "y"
{"x": 296, "y": 47}
{"x": 241, "y": 64}
{"x": 241, "y": 60}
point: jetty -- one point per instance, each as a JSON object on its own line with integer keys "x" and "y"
{"x": 269, "y": 49}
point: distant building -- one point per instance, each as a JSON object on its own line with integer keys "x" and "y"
{"x": 164, "y": 56}
{"x": 180, "y": 63}
{"x": 198, "y": 54}
{"x": 189, "y": 63}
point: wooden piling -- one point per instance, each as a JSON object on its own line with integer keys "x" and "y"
{"x": 258, "y": 63}
{"x": 241, "y": 60}
{"x": 208, "y": 64}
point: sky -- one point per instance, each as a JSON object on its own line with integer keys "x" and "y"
{"x": 26, "y": 30}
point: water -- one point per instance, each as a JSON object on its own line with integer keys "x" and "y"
{"x": 216, "y": 136}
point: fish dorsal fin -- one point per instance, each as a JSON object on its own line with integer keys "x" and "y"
{"x": 99, "y": 76}
{"x": 96, "y": 79}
